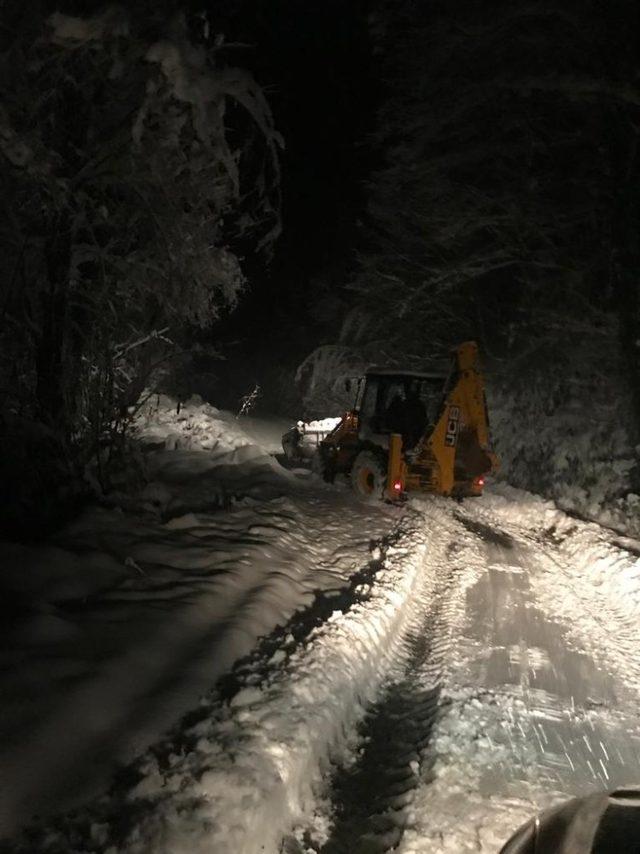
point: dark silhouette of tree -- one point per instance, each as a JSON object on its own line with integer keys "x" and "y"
{"x": 509, "y": 132}
{"x": 507, "y": 211}
{"x": 125, "y": 189}
{"x": 137, "y": 168}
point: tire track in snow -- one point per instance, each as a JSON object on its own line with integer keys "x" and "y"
{"x": 532, "y": 718}
{"x": 575, "y": 572}
{"x": 236, "y": 776}
{"x": 371, "y": 797}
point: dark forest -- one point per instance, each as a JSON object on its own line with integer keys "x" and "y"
{"x": 372, "y": 183}
{"x": 319, "y": 426}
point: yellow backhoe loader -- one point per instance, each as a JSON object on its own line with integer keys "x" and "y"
{"x": 414, "y": 432}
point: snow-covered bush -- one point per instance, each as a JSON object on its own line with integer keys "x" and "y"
{"x": 562, "y": 423}
{"x": 326, "y": 379}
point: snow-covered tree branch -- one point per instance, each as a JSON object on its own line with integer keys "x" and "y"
{"x": 135, "y": 171}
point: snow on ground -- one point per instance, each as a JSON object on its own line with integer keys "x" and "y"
{"x": 116, "y": 628}
{"x": 540, "y": 695}
{"x": 450, "y": 670}
{"x": 255, "y": 762}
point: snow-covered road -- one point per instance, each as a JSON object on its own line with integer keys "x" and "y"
{"x": 118, "y": 627}
{"x": 538, "y": 702}
{"x": 504, "y": 702}
{"x": 426, "y": 678}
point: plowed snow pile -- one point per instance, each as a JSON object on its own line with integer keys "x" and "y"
{"x": 120, "y": 625}
{"x": 249, "y": 767}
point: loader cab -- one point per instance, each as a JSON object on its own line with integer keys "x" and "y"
{"x": 389, "y": 401}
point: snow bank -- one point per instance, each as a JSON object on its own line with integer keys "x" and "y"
{"x": 562, "y": 420}
{"x": 197, "y": 457}
{"x": 278, "y": 738}
{"x": 192, "y": 425}
{"x": 135, "y": 610}
{"x": 284, "y": 733}
{"x": 256, "y": 762}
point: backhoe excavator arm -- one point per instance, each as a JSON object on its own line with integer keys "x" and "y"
{"x": 456, "y": 453}
{"x": 376, "y": 444}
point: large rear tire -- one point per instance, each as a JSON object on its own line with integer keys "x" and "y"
{"x": 369, "y": 476}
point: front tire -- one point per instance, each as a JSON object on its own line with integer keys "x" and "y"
{"x": 369, "y": 476}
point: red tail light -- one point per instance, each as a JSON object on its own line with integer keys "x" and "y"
{"x": 479, "y": 481}
{"x": 397, "y": 486}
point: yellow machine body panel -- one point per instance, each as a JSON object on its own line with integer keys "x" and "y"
{"x": 451, "y": 456}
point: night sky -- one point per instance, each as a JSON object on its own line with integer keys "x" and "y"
{"x": 315, "y": 63}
